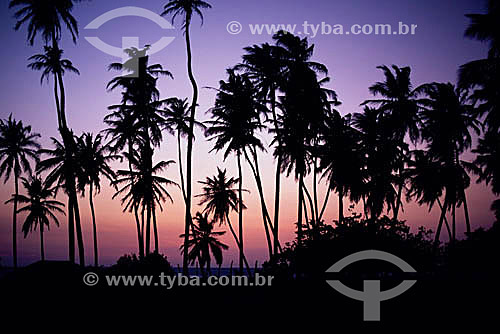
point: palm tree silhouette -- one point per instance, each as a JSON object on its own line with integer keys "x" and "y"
{"x": 63, "y": 167}
{"x": 143, "y": 187}
{"x": 236, "y": 119}
{"x": 94, "y": 159}
{"x": 203, "y": 241}
{"x": 399, "y": 101}
{"x": 186, "y": 9}
{"x": 177, "y": 117}
{"x": 446, "y": 104}
{"x": 264, "y": 65}
{"x": 341, "y": 160}
{"x": 51, "y": 63}
{"x": 220, "y": 197}
{"x": 483, "y": 28}
{"x": 306, "y": 105}
{"x": 382, "y": 157}
{"x": 426, "y": 182}
{"x": 40, "y": 207}
{"x": 17, "y": 145}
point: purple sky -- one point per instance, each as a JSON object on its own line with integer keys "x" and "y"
{"x": 434, "y": 53}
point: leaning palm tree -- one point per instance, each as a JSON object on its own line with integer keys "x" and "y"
{"x": 447, "y": 127}
{"x": 265, "y": 66}
{"x": 399, "y": 101}
{"x": 40, "y": 207}
{"x": 234, "y": 129}
{"x": 186, "y": 9}
{"x": 220, "y": 197}
{"x": 17, "y": 145}
{"x": 63, "y": 167}
{"x": 203, "y": 241}
{"x": 94, "y": 159}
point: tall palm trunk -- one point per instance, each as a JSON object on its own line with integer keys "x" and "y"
{"x": 148, "y": 229}
{"x": 277, "y": 178}
{"x": 71, "y": 230}
{"x": 155, "y": 231}
{"x": 94, "y": 226}
{"x": 299, "y": 210}
{"x": 341, "y": 206}
{"x": 240, "y": 209}
{"x": 42, "y": 248}
{"x": 466, "y": 213}
{"x": 315, "y": 192}
{"x": 140, "y": 237}
{"x": 14, "y": 219}
{"x": 189, "y": 159}
{"x": 454, "y": 221}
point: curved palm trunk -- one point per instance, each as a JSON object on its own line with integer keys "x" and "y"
{"x": 190, "y": 145}
{"x": 42, "y": 248}
{"x": 94, "y": 226}
{"x": 240, "y": 209}
{"x": 78, "y": 228}
{"x": 265, "y": 214}
{"x": 181, "y": 169}
{"x": 327, "y": 197}
{"x": 440, "y": 224}
{"x": 237, "y": 244}
{"x": 445, "y": 220}
{"x": 14, "y": 220}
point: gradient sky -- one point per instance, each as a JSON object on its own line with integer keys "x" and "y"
{"x": 434, "y": 53}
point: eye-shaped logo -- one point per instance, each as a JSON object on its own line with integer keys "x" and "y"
{"x": 128, "y": 42}
{"x": 371, "y": 294}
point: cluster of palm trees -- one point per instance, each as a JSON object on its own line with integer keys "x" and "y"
{"x": 407, "y": 141}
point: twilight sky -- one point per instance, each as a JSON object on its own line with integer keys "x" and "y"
{"x": 435, "y": 52}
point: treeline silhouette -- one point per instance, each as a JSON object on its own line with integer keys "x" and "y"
{"x": 368, "y": 157}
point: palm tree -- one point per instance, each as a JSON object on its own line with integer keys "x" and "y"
{"x": 341, "y": 160}
{"x": 264, "y": 65}
{"x": 17, "y": 145}
{"x": 203, "y": 241}
{"x": 400, "y": 103}
{"x": 186, "y": 9}
{"x": 488, "y": 159}
{"x": 177, "y": 121}
{"x": 305, "y": 106}
{"x": 426, "y": 179}
{"x": 94, "y": 159}
{"x": 40, "y": 207}
{"x": 483, "y": 27}
{"x": 220, "y": 197}
{"x": 233, "y": 129}
{"x": 382, "y": 156}
{"x": 63, "y": 167}
{"x": 47, "y": 18}
{"x": 447, "y": 126}
{"x": 143, "y": 187}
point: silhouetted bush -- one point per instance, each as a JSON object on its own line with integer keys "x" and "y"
{"x": 154, "y": 263}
